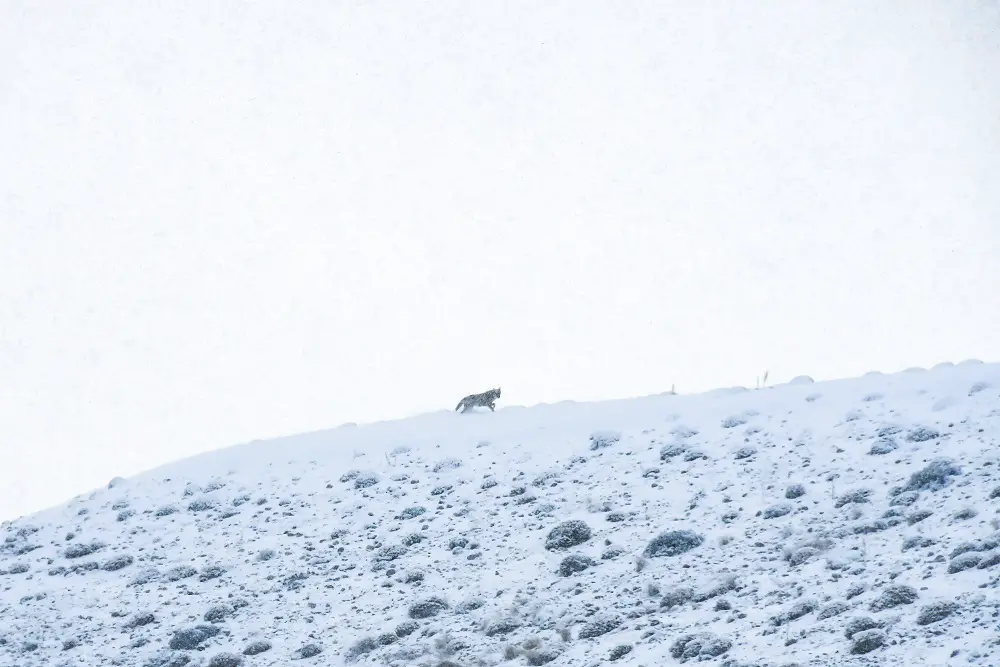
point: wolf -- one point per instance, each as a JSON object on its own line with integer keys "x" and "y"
{"x": 487, "y": 399}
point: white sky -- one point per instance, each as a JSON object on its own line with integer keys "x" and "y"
{"x": 222, "y": 221}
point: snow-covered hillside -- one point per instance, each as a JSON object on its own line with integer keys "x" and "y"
{"x": 840, "y": 523}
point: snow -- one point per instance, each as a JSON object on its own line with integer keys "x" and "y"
{"x": 423, "y": 541}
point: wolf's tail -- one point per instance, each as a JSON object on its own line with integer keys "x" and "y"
{"x": 460, "y": 404}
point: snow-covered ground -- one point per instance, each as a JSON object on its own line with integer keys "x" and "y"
{"x": 840, "y": 523}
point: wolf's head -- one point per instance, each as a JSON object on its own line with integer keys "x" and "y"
{"x": 496, "y": 392}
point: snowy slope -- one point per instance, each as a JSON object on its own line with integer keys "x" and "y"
{"x": 790, "y": 518}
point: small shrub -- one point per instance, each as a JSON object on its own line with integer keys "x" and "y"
{"x": 365, "y": 480}
{"x": 894, "y": 596}
{"x": 699, "y": 647}
{"x": 938, "y": 611}
{"x": 257, "y": 647}
{"x": 574, "y": 564}
{"x": 80, "y": 549}
{"x": 868, "y": 641}
{"x": 795, "y": 491}
{"x": 602, "y": 439}
{"x": 858, "y": 496}
{"x": 225, "y": 660}
{"x": 676, "y": 597}
{"x": 619, "y": 651}
{"x": 599, "y": 627}
{"x": 427, "y": 608}
{"x": 406, "y": 628}
{"x": 777, "y": 511}
{"x": 860, "y": 624}
{"x": 673, "y": 543}
{"x": 933, "y": 476}
{"x": 310, "y": 650}
{"x": 567, "y": 534}
{"x": 118, "y": 562}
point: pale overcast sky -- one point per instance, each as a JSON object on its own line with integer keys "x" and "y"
{"x": 222, "y": 221}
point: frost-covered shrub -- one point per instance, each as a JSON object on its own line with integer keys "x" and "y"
{"x": 210, "y": 572}
{"x": 965, "y": 561}
{"x": 139, "y": 620}
{"x": 673, "y": 543}
{"x": 118, "y": 562}
{"x": 937, "y": 611}
{"x": 406, "y": 628}
{"x": 602, "y": 439}
{"x": 990, "y": 559}
{"x": 801, "y": 555}
{"x": 868, "y": 641}
{"x": 502, "y": 626}
{"x": 567, "y": 534}
{"x": 882, "y": 447}
{"x": 795, "y": 612}
{"x": 257, "y": 647}
{"x": 922, "y": 434}
{"x": 619, "y": 651}
{"x": 146, "y": 576}
{"x": 675, "y": 597}
{"x": 795, "y": 491}
{"x": 965, "y": 514}
{"x": 447, "y": 464}
{"x": 894, "y": 596}
{"x": 668, "y": 452}
{"x": 225, "y": 660}
{"x": 427, "y": 607}
{"x": 80, "y": 549}
{"x": 905, "y": 499}
{"x": 598, "y": 627}
{"x": 575, "y": 563}
{"x": 734, "y": 421}
{"x": 543, "y": 655}
{"x": 218, "y": 613}
{"x": 612, "y": 552}
{"x": 916, "y": 542}
{"x": 411, "y": 512}
{"x": 166, "y": 510}
{"x": 201, "y": 505}
{"x": 745, "y": 452}
{"x": 365, "y": 480}
{"x": 876, "y": 526}
{"x": 190, "y": 639}
{"x": 858, "y": 496}
{"x": 725, "y": 585}
{"x": 700, "y": 646}
{"x": 934, "y": 476}
{"x": 776, "y": 511}
{"x": 860, "y": 624}
{"x": 831, "y": 610}
{"x": 310, "y": 650}
{"x": 390, "y": 553}
{"x": 179, "y": 572}
{"x": 412, "y": 539}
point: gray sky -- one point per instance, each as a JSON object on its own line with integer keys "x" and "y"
{"x": 222, "y": 221}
